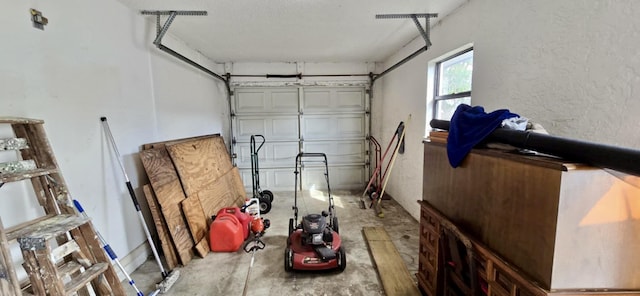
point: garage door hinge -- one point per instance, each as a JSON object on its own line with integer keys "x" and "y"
{"x": 233, "y": 115}
{"x": 367, "y": 91}
{"x": 233, "y": 140}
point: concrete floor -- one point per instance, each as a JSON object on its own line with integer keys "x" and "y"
{"x": 225, "y": 273}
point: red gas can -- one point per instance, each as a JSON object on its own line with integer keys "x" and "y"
{"x": 243, "y": 218}
{"x": 225, "y": 234}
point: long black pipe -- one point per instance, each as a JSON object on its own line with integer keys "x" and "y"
{"x": 300, "y": 75}
{"x": 189, "y": 61}
{"x": 400, "y": 63}
{"x": 621, "y": 159}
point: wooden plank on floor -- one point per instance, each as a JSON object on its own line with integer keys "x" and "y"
{"x": 393, "y": 272}
{"x": 200, "y": 162}
{"x": 168, "y": 248}
{"x": 168, "y": 190}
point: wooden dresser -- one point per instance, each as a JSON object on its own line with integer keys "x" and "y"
{"x": 537, "y": 225}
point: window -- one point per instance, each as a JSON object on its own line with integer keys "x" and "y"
{"x": 452, "y": 84}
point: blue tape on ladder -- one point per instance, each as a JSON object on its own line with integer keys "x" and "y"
{"x": 112, "y": 254}
{"x": 78, "y": 206}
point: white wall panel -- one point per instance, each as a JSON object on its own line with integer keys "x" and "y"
{"x": 81, "y": 68}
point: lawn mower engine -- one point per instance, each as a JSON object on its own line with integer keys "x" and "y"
{"x": 315, "y": 230}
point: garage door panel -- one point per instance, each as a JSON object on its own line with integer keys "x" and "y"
{"x": 285, "y": 153}
{"x": 350, "y": 100}
{"x": 327, "y": 127}
{"x": 270, "y": 179}
{"x": 318, "y": 100}
{"x": 273, "y": 128}
{"x": 266, "y": 100}
{"x": 338, "y": 152}
{"x": 333, "y": 120}
{"x": 284, "y": 128}
{"x": 272, "y": 154}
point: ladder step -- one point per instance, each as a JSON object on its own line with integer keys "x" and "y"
{"x": 36, "y": 235}
{"x": 13, "y": 144}
{"x": 64, "y": 250}
{"x": 13, "y": 177}
{"x": 19, "y": 166}
{"x": 68, "y": 268}
{"x": 19, "y": 120}
{"x": 84, "y": 278}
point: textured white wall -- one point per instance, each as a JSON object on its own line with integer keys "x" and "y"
{"x": 573, "y": 66}
{"x": 95, "y": 58}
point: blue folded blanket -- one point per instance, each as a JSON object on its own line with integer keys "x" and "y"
{"x": 468, "y": 127}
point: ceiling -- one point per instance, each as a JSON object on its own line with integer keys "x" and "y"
{"x": 296, "y": 30}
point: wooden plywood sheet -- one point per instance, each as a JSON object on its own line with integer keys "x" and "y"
{"x": 199, "y": 162}
{"x": 179, "y": 232}
{"x": 168, "y": 248}
{"x": 220, "y": 194}
{"x": 395, "y": 277}
{"x": 238, "y": 185}
{"x": 163, "y": 176}
{"x": 164, "y": 143}
{"x": 197, "y": 223}
{"x": 166, "y": 185}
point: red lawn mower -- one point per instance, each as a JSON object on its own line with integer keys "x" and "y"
{"x": 314, "y": 244}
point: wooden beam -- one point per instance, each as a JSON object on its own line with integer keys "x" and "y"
{"x": 393, "y": 272}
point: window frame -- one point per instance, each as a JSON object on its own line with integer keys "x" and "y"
{"x": 436, "y": 86}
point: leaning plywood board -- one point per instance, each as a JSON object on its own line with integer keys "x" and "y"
{"x": 221, "y": 193}
{"x": 168, "y": 247}
{"x": 238, "y": 185}
{"x": 197, "y": 224}
{"x": 166, "y": 185}
{"x": 164, "y": 143}
{"x": 395, "y": 277}
{"x": 199, "y": 162}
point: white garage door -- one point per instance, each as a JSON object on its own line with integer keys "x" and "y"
{"x": 330, "y": 120}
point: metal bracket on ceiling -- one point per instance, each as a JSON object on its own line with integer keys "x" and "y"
{"x": 161, "y": 30}
{"x": 414, "y": 16}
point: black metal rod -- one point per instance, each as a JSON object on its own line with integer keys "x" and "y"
{"x": 189, "y": 61}
{"x": 301, "y": 75}
{"x": 298, "y": 75}
{"x": 621, "y": 159}
{"x": 400, "y": 63}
